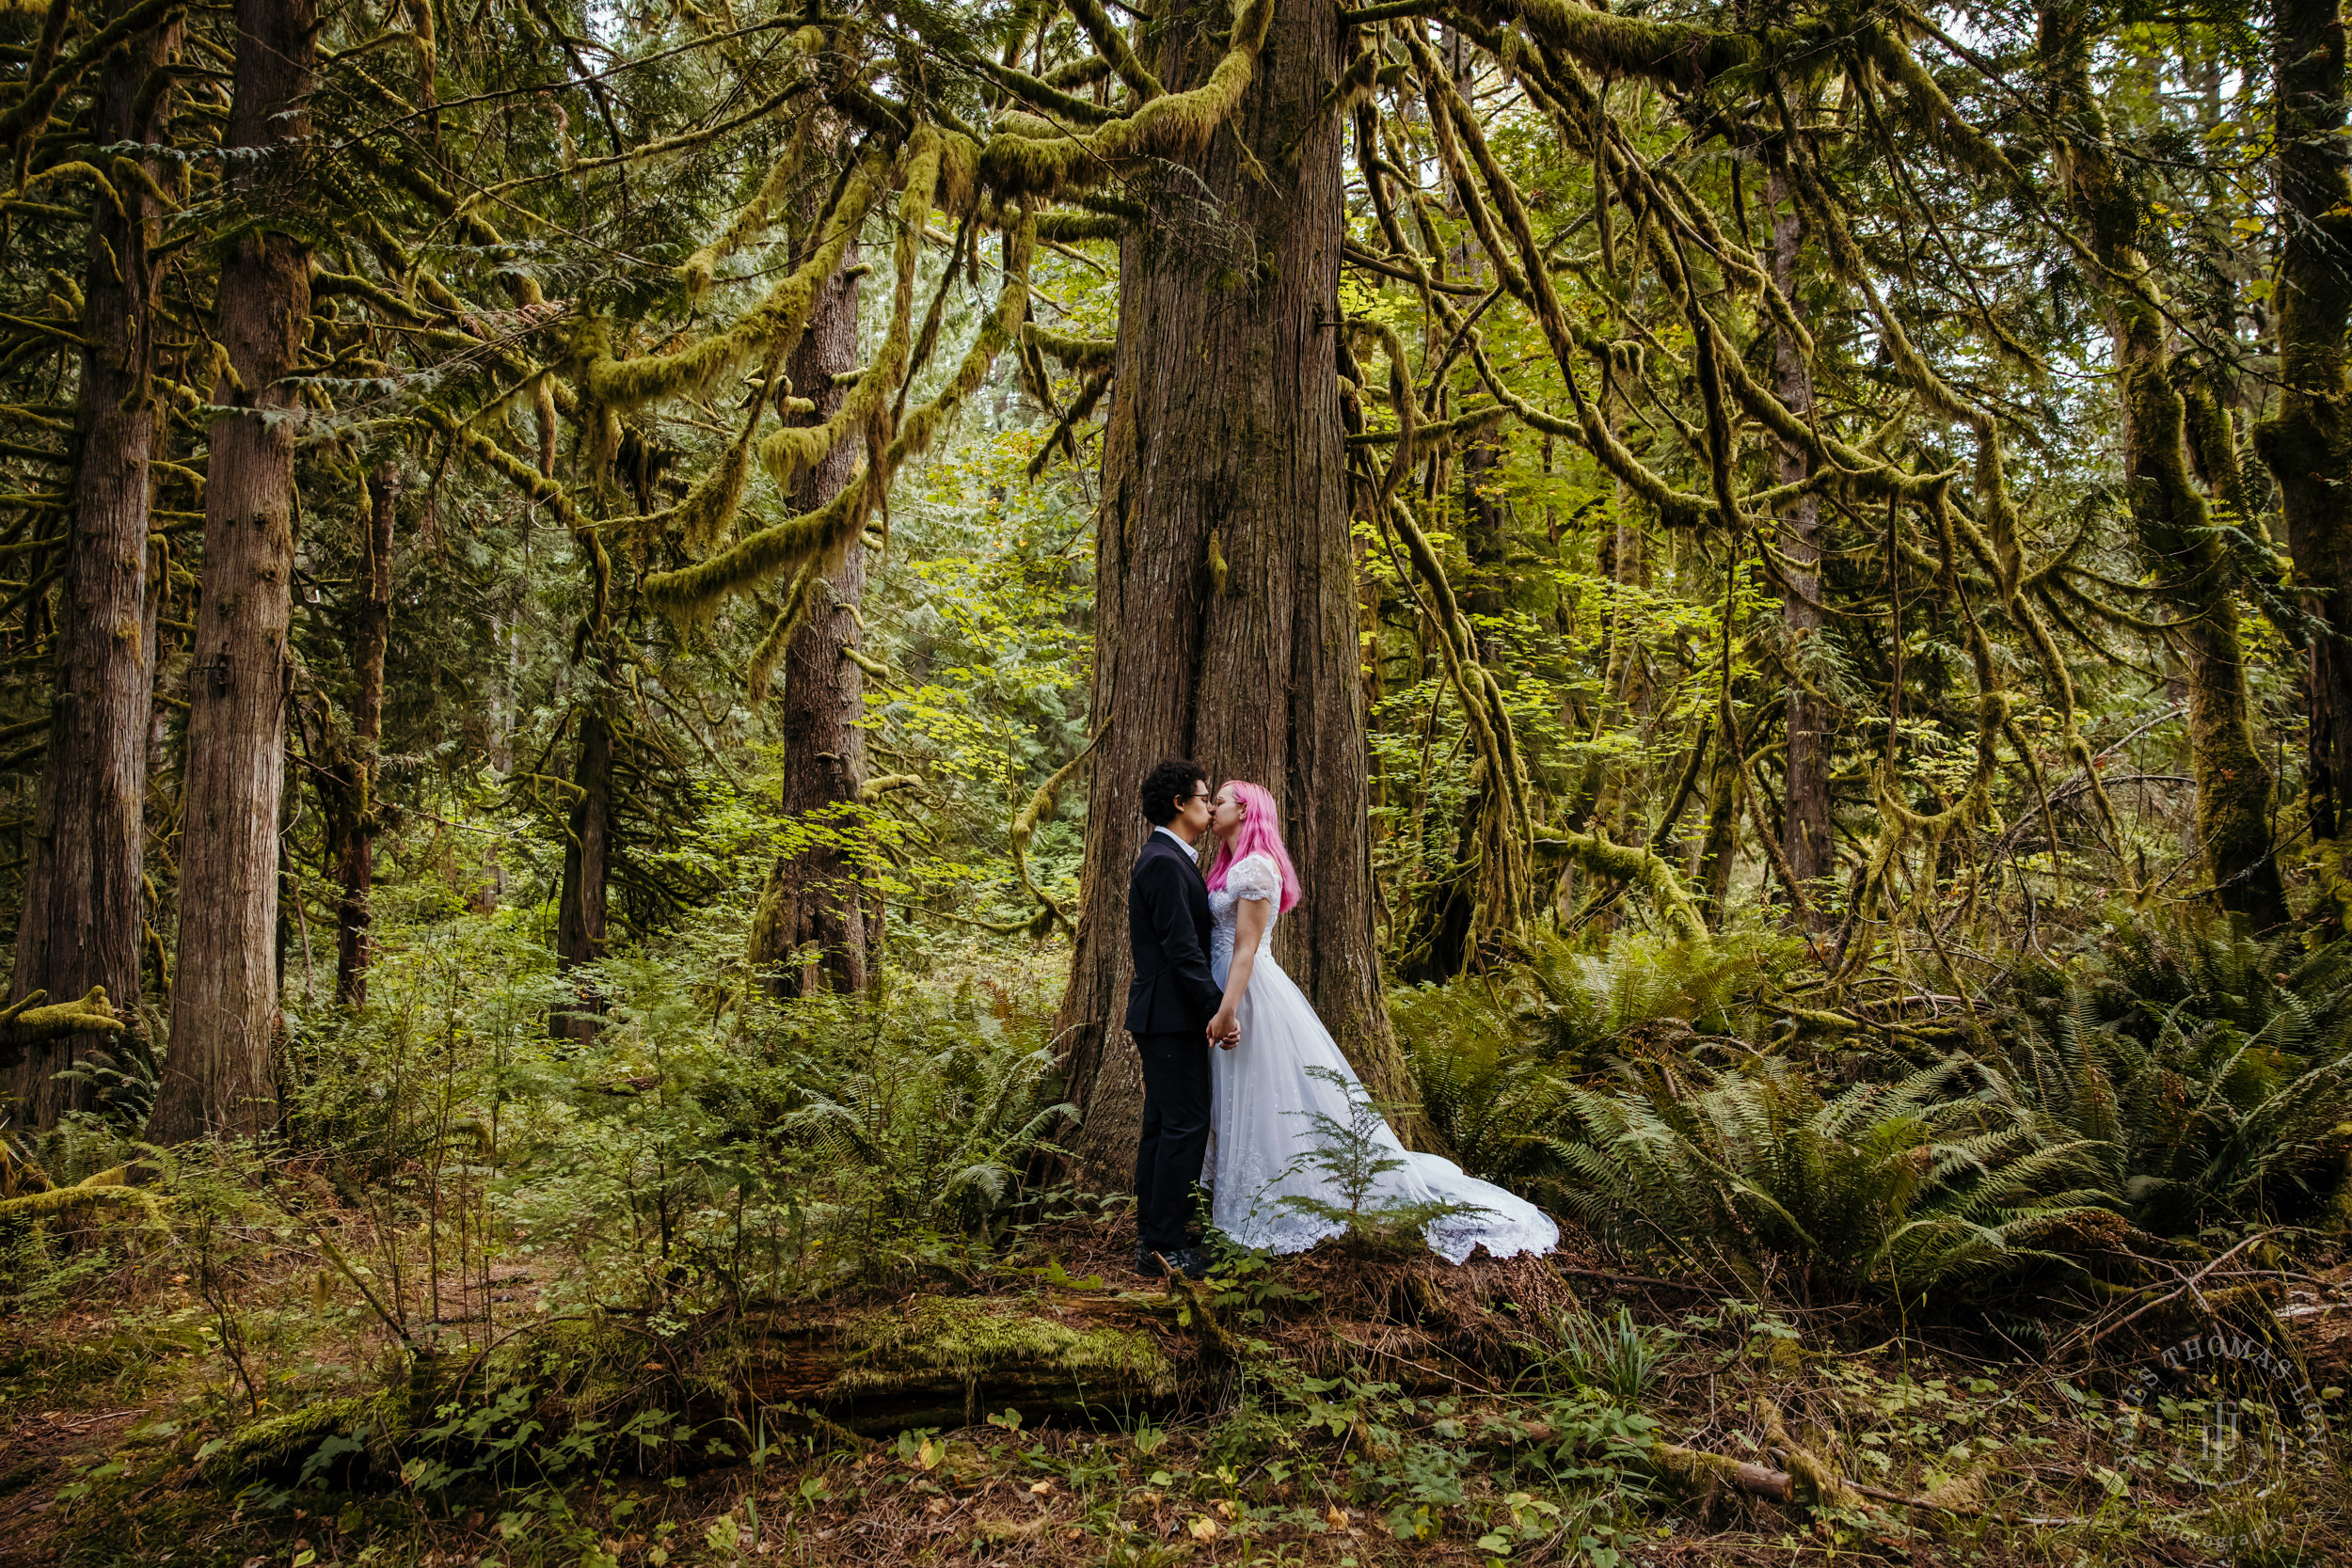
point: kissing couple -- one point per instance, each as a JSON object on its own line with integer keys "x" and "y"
{"x": 1240, "y": 1077}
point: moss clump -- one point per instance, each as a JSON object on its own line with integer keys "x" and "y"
{"x": 968, "y": 1340}
{"x": 276, "y": 1442}
{"x": 107, "y": 1189}
{"x": 28, "y": 1021}
{"x": 1076, "y": 354}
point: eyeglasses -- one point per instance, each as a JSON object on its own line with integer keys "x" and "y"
{"x": 1203, "y": 795}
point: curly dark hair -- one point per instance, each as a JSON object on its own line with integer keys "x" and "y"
{"x": 1169, "y": 780}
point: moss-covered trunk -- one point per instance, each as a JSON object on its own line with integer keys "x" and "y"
{"x": 2308, "y": 443}
{"x": 218, "y": 1076}
{"x": 346, "y": 780}
{"x": 2170, "y": 519}
{"x": 84, "y": 912}
{"x": 812, "y": 906}
{"x": 1225, "y": 608}
{"x": 1806, "y": 832}
{"x": 579, "y": 921}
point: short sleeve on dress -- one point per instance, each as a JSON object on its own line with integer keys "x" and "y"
{"x": 1255, "y": 876}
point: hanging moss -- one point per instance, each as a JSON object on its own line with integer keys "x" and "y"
{"x": 764, "y": 659}
{"x": 1034, "y": 156}
{"x": 542, "y": 489}
{"x": 922, "y": 426}
{"x": 749, "y": 224}
{"x": 1111, "y": 41}
{"x": 796, "y": 449}
{"x": 1075, "y": 353}
{"x": 781, "y": 315}
{"x": 1681, "y": 54}
{"x": 1041, "y": 809}
{"x": 1072, "y": 228}
{"x": 1640, "y": 866}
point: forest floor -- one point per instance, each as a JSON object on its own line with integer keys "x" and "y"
{"x": 1050, "y": 1408}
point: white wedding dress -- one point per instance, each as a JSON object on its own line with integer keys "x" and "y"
{"x": 1263, "y": 1126}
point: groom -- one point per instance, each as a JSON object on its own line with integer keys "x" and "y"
{"x": 1170, "y": 1003}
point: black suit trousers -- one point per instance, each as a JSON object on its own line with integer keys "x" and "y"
{"x": 1176, "y": 1094}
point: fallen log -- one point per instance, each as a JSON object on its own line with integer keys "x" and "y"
{"x": 946, "y": 1361}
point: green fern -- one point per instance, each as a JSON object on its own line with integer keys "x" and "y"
{"x": 1491, "y": 1052}
{"x": 2199, "y": 1121}
{"x": 937, "y": 1139}
{"x": 1927, "y": 1186}
{"x": 1584, "y": 1007}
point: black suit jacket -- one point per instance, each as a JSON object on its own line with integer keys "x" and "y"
{"x": 1167, "y": 929}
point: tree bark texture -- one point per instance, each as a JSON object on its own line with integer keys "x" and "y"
{"x": 813, "y": 904}
{"x": 2170, "y": 514}
{"x": 1225, "y": 595}
{"x": 579, "y": 926}
{"x": 2308, "y": 444}
{"x": 218, "y": 1076}
{"x": 1805, "y": 832}
{"x": 84, "y": 916}
{"x": 1486, "y": 535}
{"x": 348, "y": 780}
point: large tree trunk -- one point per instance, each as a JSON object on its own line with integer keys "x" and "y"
{"x": 1225, "y": 601}
{"x": 84, "y": 915}
{"x": 218, "y": 1076}
{"x": 347, "y": 782}
{"x": 812, "y": 904}
{"x": 1806, "y": 823}
{"x": 579, "y": 925}
{"x": 2307, "y": 445}
{"x": 2169, "y": 515}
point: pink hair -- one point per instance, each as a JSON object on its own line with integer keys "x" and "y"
{"x": 1260, "y": 834}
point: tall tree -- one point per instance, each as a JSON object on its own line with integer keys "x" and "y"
{"x": 1225, "y": 606}
{"x": 581, "y": 930}
{"x": 218, "y": 1076}
{"x": 84, "y": 913}
{"x": 2308, "y": 443}
{"x": 1806, "y": 813}
{"x": 2170, "y": 514}
{"x": 348, "y": 780}
{"x": 812, "y": 900}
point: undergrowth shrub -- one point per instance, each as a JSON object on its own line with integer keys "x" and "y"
{"x": 2212, "y": 1072}
{"x": 1926, "y": 1187}
{"x": 1350, "y": 1161}
{"x": 1583, "y": 1008}
{"x": 1494, "y": 1053}
{"x": 931, "y": 1107}
{"x": 707, "y": 1144}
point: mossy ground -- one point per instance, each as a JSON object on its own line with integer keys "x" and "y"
{"x": 1331, "y": 1409}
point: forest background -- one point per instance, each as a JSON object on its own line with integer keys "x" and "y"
{"x": 583, "y": 590}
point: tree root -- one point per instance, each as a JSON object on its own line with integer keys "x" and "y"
{"x": 1809, "y": 1479}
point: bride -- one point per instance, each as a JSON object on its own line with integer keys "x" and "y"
{"x": 1283, "y": 1087}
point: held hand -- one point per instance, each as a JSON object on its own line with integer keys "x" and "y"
{"x": 1224, "y": 1031}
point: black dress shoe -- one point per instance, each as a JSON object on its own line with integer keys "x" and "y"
{"x": 1192, "y": 1261}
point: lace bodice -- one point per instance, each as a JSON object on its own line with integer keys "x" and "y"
{"x": 1250, "y": 877}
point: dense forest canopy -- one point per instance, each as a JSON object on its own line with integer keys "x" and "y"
{"x": 585, "y": 589}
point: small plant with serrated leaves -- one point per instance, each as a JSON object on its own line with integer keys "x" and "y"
{"x": 1356, "y": 1159}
